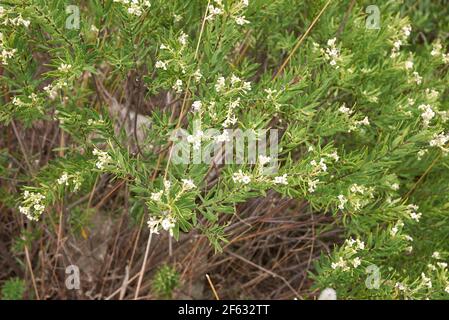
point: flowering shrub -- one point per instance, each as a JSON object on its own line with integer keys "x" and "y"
{"x": 360, "y": 115}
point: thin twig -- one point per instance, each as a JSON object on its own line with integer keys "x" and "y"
{"x": 300, "y": 40}
{"x": 142, "y": 270}
{"x": 27, "y": 255}
{"x": 212, "y": 287}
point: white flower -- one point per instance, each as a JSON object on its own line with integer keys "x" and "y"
{"x": 156, "y": 196}
{"x": 167, "y": 185}
{"x": 153, "y": 224}
{"x": 356, "y": 262}
{"x": 240, "y": 177}
{"x": 395, "y": 186}
{"x": 421, "y": 153}
{"x": 270, "y": 93}
{"x": 65, "y": 67}
{"x": 94, "y": 29}
{"x": 51, "y": 91}
{"x": 415, "y": 216}
{"x": 168, "y": 224}
{"x": 24, "y": 210}
{"x": 197, "y": 75}
{"x": 312, "y": 184}
{"x": 323, "y": 165}
{"x": 412, "y": 212}
{"x": 394, "y": 231}
{"x": 281, "y": 179}
{"x": 408, "y": 64}
{"x": 64, "y": 179}
{"x": 161, "y": 65}
{"x": 442, "y": 265}
{"x": 224, "y": 137}
{"x": 427, "y": 114}
{"x": 332, "y": 53}
{"x": 235, "y": 80}
{"x": 397, "y": 44}
{"x": 178, "y": 86}
{"x": 400, "y": 286}
{"x": 177, "y": 17}
{"x": 431, "y": 267}
{"x": 345, "y": 110}
{"x": 77, "y": 180}
{"x": 364, "y": 122}
{"x": 342, "y": 201}
{"x": 360, "y": 244}
{"x": 439, "y": 140}
{"x": 417, "y": 77}
{"x": 447, "y": 289}
{"x": 445, "y": 57}
{"x": 214, "y": 11}
{"x": 32, "y": 205}
{"x": 340, "y": 264}
{"x": 426, "y": 281}
{"x": 195, "y": 139}
{"x": 334, "y": 155}
{"x": 188, "y": 184}
{"x": 103, "y": 159}
{"x": 436, "y": 48}
{"x": 432, "y": 93}
{"x": 220, "y": 85}
{"x": 436, "y": 255}
{"x": 196, "y": 106}
{"x": 183, "y": 38}
{"x": 263, "y": 160}
{"x": 135, "y": 10}
{"x": 331, "y": 42}
{"x": 246, "y": 86}
{"x": 241, "y": 20}
{"x": 407, "y": 30}
{"x": 17, "y": 102}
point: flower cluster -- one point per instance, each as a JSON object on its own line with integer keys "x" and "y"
{"x": 70, "y": 179}
{"x": 218, "y": 9}
{"x": 166, "y": 221}
{"x": 318, "y": 168}
{"x": 413, "y": 212}
{"x": 427, "y": 114}
{"x": 332, "y": 53}
{"x": 16, "y": 21}
{"x": 52, "y": 89}
{"x": 437, "y": 51}
{"x": 165, "y": 200}
{"x": 5, "y": 53}
{"x": 32, "y": 205}
{"x": 347, "y": 258}
{"x": 440, "y": 140}
{"x": 358, "y": 197}
{"x": 406, "y": 31}
{"x": 232, "y": 84}
{"x": 135, "y": 7}
{"x": 103, "y": 159}
{"x": 240, "y": 177}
